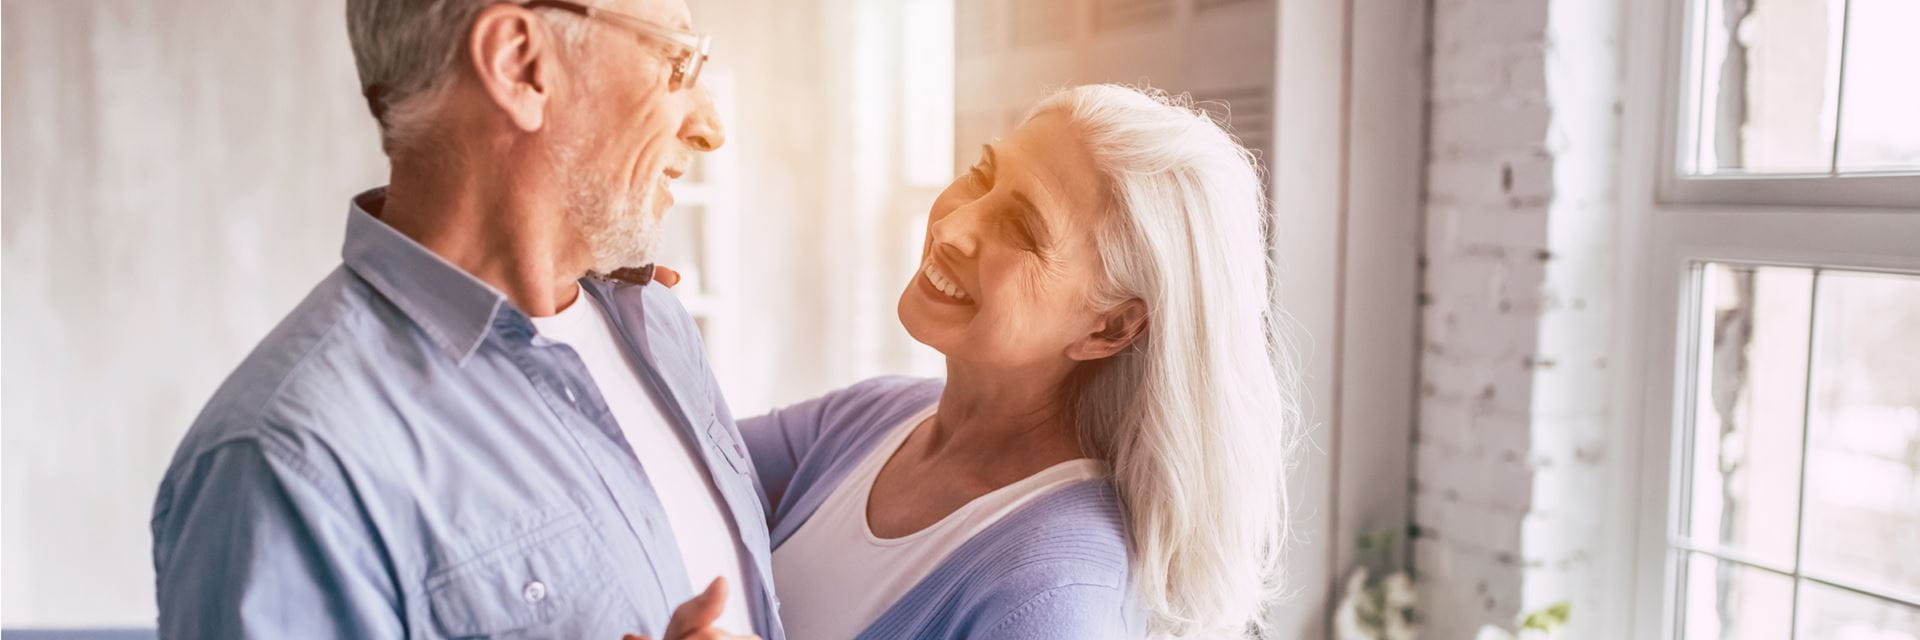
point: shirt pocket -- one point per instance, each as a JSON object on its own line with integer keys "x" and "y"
{"x": 545, "y": 576}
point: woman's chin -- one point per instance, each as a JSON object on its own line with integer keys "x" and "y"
{"x": 922, "y": 324}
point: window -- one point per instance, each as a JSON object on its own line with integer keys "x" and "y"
{"x": 1798, "y": 101}
{"x": 1799, "y": 491}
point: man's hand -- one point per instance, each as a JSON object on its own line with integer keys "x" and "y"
{"x": 694, "y": 619}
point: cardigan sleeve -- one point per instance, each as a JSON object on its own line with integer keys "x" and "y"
{"x": 780, "y": 441}
{"x": 1066, "y": 611}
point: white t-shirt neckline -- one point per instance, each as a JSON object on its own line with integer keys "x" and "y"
{"x": 696, "y": 514}
{"x": 835, "y": 577}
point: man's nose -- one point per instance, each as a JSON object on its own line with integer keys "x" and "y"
{"x": 702, "y": 130}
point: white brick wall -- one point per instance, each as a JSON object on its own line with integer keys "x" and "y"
{"x": 1516, "y": 293}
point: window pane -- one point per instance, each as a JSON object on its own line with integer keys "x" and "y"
{"x": 1880, "y": 103}
{"x": 1749, "y": 409}
{"x": 1727, "y": 601}
{"x": 1768, "y": 86}
{"x": 926, "y": 93}
{"x": 682, "y": 245}
{"x": 1863, "y": 467}
{"x": 1833, "y": 614}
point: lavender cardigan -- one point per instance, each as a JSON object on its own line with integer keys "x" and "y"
{"x": 1054, "y": 568}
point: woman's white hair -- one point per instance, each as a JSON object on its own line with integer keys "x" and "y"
{"x": 1197, "y": 416}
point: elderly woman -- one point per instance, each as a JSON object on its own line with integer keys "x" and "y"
{"x": 1104, "y": 458}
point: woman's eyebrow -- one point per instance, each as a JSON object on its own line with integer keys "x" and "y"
{"x": 986, "y": 153}
{"x": 1031, "y": 214}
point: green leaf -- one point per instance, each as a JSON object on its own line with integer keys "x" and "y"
{"x": 1549, "y": 619}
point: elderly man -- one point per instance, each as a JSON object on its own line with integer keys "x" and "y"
{"x": 487, "y": 421}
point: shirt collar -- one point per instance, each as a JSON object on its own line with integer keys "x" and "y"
{"x": 455, "y": 309}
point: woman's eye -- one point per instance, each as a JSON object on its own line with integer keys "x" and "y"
{"x": 978, "y": 178}
{"x": 1019, "y": 233}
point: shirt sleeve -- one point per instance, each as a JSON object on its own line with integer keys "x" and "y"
{"x": 251, "y": 541}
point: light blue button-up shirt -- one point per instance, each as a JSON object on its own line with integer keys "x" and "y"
{"x": 403, "y": 456}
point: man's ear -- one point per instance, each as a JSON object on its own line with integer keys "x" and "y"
{"x": 1118, "y": 330}
{"x": 513, "y": 54}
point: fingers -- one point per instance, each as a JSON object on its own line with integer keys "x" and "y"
{"x": 666, "y": 277}
{"x": 708, "y": 633}
{"x": 698, "y": 613}
{"x": 711, "y": 633}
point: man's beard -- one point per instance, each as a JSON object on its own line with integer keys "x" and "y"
{"x": 620, "y": 232}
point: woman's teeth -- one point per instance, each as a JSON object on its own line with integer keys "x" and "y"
{"x": 942, "y": 282}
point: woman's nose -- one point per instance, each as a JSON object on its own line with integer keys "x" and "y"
{"x": 958, "y": 232}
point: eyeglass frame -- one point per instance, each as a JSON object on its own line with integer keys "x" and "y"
{"x": 694, "y": 47}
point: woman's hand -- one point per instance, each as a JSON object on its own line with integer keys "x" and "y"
{"x": 665, "y": 276}
{"x": 693, "y": 620}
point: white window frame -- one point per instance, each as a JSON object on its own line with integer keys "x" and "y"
{"x": 1670, "y": 222}
{"x": 1678, "y": 26}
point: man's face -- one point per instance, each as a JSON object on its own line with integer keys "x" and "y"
{"x": 625, "y": 132}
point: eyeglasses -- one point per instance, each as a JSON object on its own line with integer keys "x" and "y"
{"x": 693, "y": 47}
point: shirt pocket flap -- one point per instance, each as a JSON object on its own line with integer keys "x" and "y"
{"x": 730, "y": 446}
{"x": 533, "y": 580}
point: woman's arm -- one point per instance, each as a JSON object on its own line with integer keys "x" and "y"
{"x": 1067, "y": 611}
{"x": 779, "y": 440}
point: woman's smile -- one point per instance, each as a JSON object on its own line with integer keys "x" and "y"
{"x": 941, "y": 286}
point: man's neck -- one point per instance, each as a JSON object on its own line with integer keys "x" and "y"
{"x": 514, "y": 239}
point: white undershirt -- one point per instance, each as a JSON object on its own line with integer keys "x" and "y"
{"x": 706, "y": 537}
{"x": 835, "y": 577}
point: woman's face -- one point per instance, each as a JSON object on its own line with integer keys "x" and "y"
{"x": 1009, "y": 261}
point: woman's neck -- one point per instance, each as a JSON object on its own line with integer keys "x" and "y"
{"x": 992, "y": 412}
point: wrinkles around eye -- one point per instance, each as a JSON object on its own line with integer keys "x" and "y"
{"x": 979, "y": 179}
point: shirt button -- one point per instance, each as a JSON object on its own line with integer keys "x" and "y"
{"x": 569, "y": 391}
{"x": 534, "y": 591}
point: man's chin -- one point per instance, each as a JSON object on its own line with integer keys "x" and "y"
{"x": 628, "y": 259}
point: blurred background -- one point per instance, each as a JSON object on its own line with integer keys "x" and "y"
{"x": 1607, "y": 308}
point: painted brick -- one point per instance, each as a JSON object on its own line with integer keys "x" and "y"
{"x": 1516, "y": 301}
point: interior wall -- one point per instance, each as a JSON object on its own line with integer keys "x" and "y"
{"x": 1347, "y": 167}
{"x": 1519, "y": 434}
{"x": 176, "y": 178}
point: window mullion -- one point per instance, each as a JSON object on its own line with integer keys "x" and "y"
{"x": 1877, "y": 592}
{"x": 1682, "y": 526}
{"x": 1806, "y": 429}
{"x": 1696, "y": 90}
{"x": 1840, "y": 88}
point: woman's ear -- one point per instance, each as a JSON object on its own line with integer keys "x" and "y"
{"x": 1118, "y": 330}
{"x": 513, "y": 55}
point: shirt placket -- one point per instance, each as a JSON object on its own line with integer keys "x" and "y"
{"x": 563, "y": 381}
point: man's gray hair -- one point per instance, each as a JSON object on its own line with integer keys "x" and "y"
{"x": 406, "y": 51}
